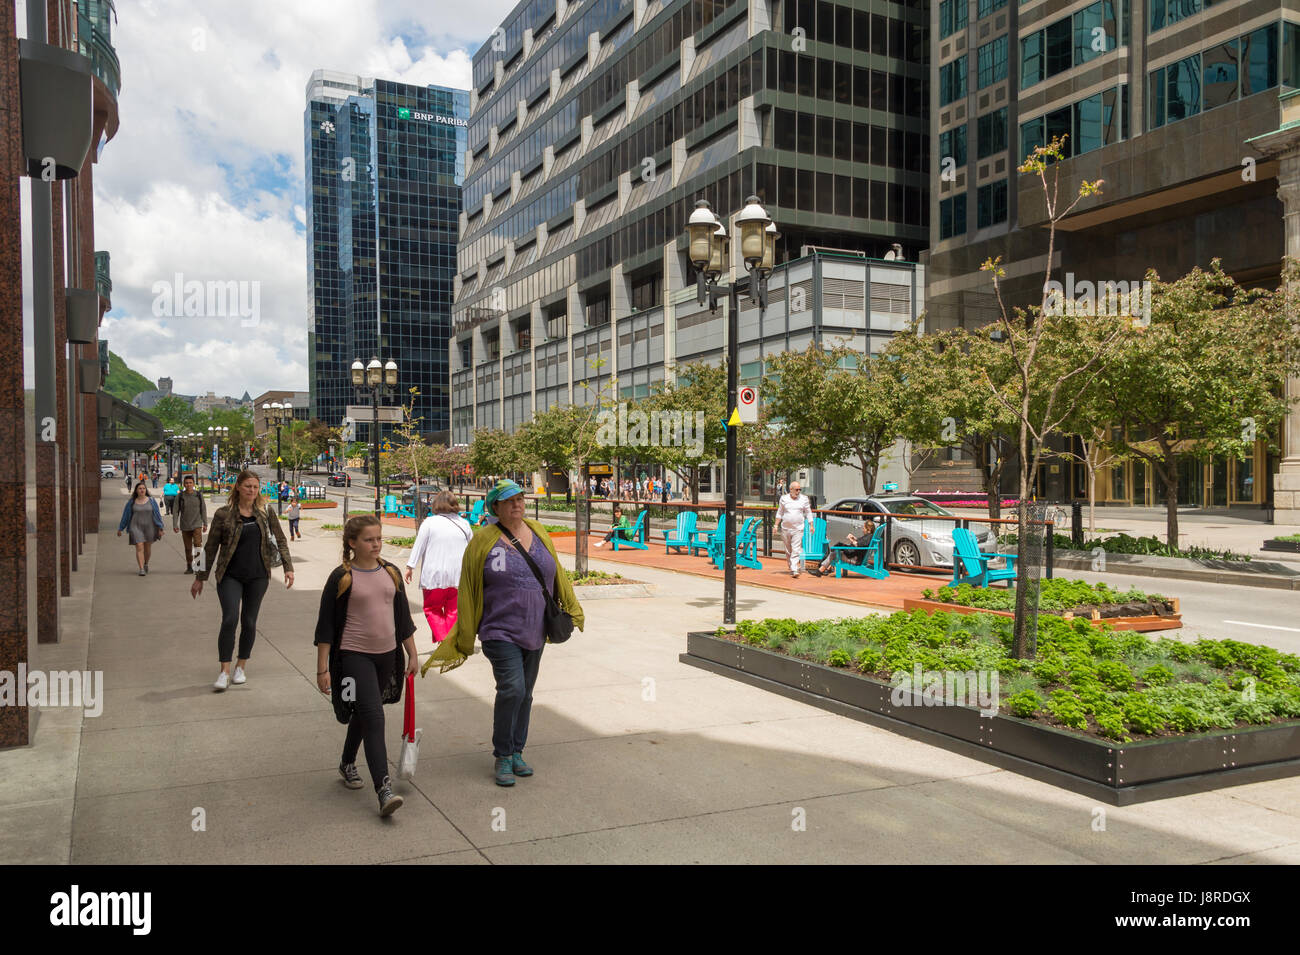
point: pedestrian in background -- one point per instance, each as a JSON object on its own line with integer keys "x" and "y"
{"x": 170, "y": 490}
{"x": 144, "y": 523}
{"x": 503, "y": 604}
{"x": 438, "y": 551}
{"x": 240, "y": 551}
{"x": 190, "y": 520}
{"x": 293, "y": 512}
{"x": 365, "y": 642}
{"x": 794, "y": 514}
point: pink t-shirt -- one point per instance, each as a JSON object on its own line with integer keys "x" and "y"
{"x": 370, "y": 626}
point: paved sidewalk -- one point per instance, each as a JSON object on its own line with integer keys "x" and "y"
{"x": 638, "y": 757}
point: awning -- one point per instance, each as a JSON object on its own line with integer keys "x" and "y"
{"x": 124, "y": 427}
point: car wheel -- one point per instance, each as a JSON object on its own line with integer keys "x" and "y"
{"x": 905, "y": 552}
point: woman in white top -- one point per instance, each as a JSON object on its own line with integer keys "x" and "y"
{"x": 439, "y": 547}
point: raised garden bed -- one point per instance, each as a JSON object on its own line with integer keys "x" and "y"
{"x": 1287, "y": 545}
{"x": 1217, "y": 744}
{"x": 1097, "y": 603}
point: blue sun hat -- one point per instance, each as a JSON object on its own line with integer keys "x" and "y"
{"x": 501, "y": 491}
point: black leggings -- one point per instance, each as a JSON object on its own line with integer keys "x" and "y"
{"x": 231, "y": 591}
{"x": 369, "y": 672}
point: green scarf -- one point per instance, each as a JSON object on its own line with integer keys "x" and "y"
{"x": 459, "y": 644}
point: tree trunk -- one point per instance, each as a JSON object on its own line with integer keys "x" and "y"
{"x": 1092, "y": 498}
{"x": 1171, "y": 506}
{"x": 1023, "y": 643}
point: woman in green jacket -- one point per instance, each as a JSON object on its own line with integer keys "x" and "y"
{"x": 501, "y": 602}
{"x": 622, "y": 527}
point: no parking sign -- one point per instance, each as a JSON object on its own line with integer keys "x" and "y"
{"x": 747, "y": 403}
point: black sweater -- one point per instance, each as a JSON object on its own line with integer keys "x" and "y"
{"x": 329, "y": 629}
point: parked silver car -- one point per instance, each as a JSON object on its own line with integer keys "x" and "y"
{"x": 914, "y": 540}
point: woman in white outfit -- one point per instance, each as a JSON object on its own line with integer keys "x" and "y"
{"x": 438, "y": 550}
{"x": 794, "y": 514}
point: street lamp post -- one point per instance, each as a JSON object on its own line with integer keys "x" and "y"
{"x": 276, "y": 412}
{"x": 708, "y": 246}
{"x": 375, "y": 378}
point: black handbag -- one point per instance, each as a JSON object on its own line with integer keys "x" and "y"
{"x": 558, "y": 622}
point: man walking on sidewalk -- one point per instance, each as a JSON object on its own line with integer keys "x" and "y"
{"x": 190, "y": 518}
{"x": 794, "y": 514}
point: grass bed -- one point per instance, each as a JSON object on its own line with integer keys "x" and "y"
{"x": 1096, "y": 681}
{"x": 1126, "y": 544}
{"x": 599, "y": 577}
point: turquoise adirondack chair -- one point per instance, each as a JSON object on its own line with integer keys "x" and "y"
{"x": 636, "y": 536}
{"x": 391, "y": 505}
{"x": 814, "y": 541}
{"x": 701, "y": 540}
{"x": 682, "y": 536}
{"x": 967, "y": 554}
{"x": 475, "y": 514}
{"x": 746, "y": 546}
{"x": 873, "y": 561}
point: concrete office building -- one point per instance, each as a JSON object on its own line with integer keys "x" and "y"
{"x": 1164, "y": 101}
{"x": 595, "y": 127}
{"x": 384, "y": 167}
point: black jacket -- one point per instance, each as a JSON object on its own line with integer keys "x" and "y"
{"x": 333, "y": 617}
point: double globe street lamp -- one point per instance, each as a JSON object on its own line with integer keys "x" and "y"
{"x": 376, "y": 378}
{"x": 709, "y": 253}
{"x": 217, "y": 434}
{"x": 277, "y": 414}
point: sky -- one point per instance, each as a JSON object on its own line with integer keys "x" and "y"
{"x": 205, "y": 177}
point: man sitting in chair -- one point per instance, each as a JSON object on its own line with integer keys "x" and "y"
{"x": 827, "y": 566}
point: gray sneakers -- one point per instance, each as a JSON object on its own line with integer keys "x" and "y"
{"x": 389, "y": 801}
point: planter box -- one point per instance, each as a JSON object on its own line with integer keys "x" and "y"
{"x": 1286, "y": 547}
{"x": 316, "y": 505}
{"x": 1120, "y": 773}
{"x": 605, "y": 591}
{"x": 1145, "y": 624}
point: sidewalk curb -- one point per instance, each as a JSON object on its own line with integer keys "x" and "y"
{"x": 1114, "y": 565}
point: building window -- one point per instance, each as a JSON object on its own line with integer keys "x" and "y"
{"x": 991, "y": 201}
{"x": 1183, "y": 88}
{"x": 1221, "y": 78}
{"x": 992, "y": 133}
{"x": 992, "y": 62}
{"x": 952, "y": 17}
{"x": 952, "y": 81}
{"x": 1087, "y": 125}
{"x": 1259, "y": 57}
{"x": 645, "y": 292}
{"x": 952, "y": 145}
{"x": 952, "y": 216}
{"x": 1058, "y": 47}
{"x": 1091, "y": 38}
{"x": 988, "y": 6}
{"x": 1168, "y": 12}
{"x": 1031, "y": 60}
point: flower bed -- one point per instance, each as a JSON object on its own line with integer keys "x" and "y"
{"x": 1061, "y": 597}
{"x": 1097, "y": 682}
{"x": 967, "y": 502}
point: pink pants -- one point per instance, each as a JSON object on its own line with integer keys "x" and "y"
{"x": 440, "y": 611}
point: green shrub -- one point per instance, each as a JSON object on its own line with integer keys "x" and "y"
{"x": 839, "y": 658}
{"x": 868, "y": 659}
{"x": 1025, "y": 704}
{"x": 1067, "y": 709}
{"x": 1142, "y": 715}
{"x": 1157, "y": 675}
{"x": 1115, "y": 675}
{"x": 1111, "y": 725}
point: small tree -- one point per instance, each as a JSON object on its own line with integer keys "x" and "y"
{"x": 845, "y": 406}
{"x": 699, "y": 395}
{"x": 1038, "y": 365}
{"x": 1206, "y": 377}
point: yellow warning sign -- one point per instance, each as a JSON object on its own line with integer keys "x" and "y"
{"x": 734, "y": 420}
{"x": 279, "y": 460}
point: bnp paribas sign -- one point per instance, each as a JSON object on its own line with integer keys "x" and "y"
{"x": 415, "y": 114}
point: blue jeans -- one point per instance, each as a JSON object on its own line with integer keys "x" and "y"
{"x": 515, "y": 670}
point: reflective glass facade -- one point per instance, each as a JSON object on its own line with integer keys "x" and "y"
{"x": 587, "y": 155}
{"x": 385, "y": 165}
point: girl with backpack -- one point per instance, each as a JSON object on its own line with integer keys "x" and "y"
{"x": 365, "y": 645}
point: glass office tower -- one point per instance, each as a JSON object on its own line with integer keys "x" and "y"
{"x": 385, "y": 164}
{"x": 595, "y": 126}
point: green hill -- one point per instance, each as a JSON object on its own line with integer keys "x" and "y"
{"x": 123, "y": 382}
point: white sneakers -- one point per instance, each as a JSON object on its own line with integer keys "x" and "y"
{"x": 239, "y": 676}
{"x": 223, "y": 681}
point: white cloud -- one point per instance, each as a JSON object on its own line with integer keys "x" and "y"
{"x": 204, "y": 177}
